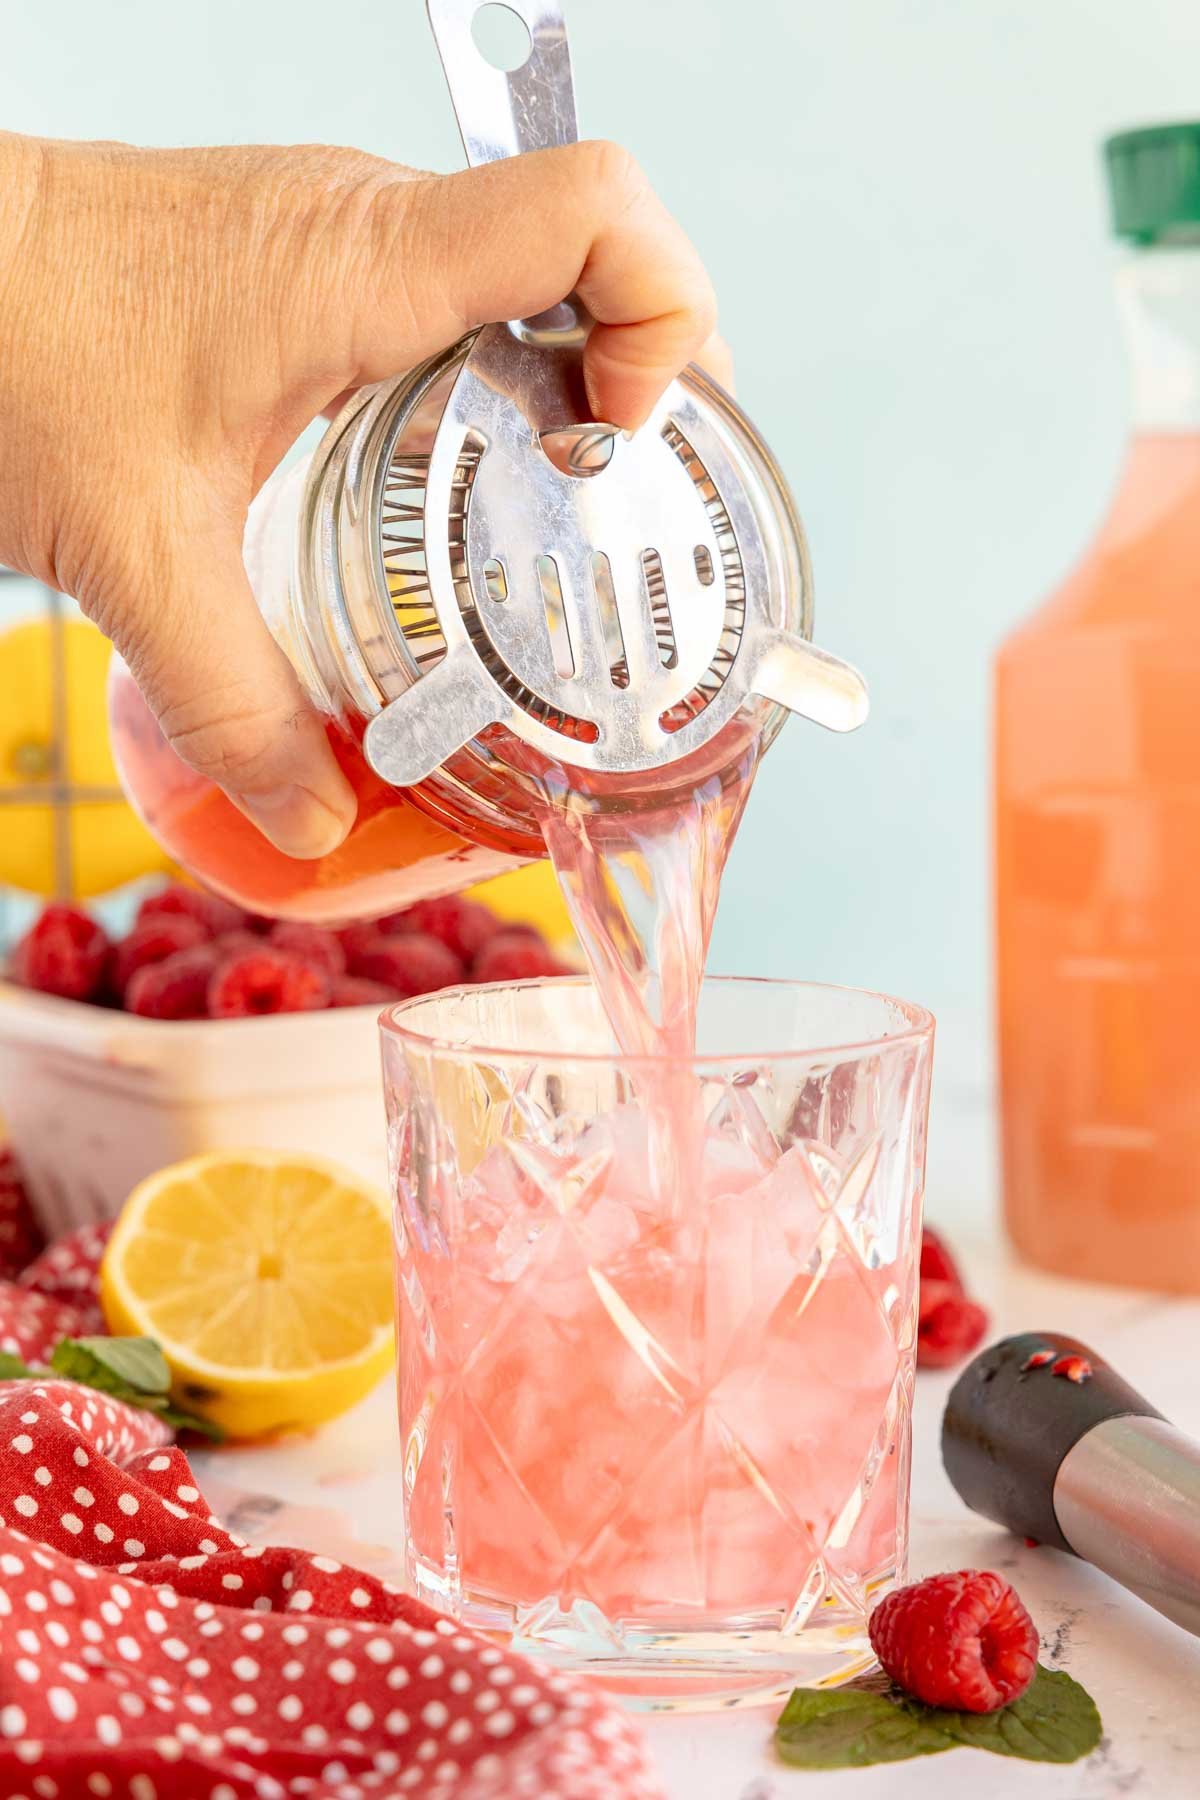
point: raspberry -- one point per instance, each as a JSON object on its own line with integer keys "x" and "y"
{"x": 176, "y": 988}
{"x": 937, "y": 1264}
{"x": 464, "y": 926}
{"x": 20, "y": 1236}
{"x": 215, "y": 914}
{"x": 64, "y": 952}
{"x": 413, "y": 963}
{"x": 358, "y": 941}
{"x": 949, "y": 1326}
{"x": 266, "y": 980}
{"x": 311, "y": 943}
{"x": 963, "y": 1641}
{"x": 389, "y": 924}
{"x": 236, "y": 943}
{"x": 153, "y": 941}
{"x": 519, "y": 955}
{"x": 356, "y": 990}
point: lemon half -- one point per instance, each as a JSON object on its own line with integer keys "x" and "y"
{"x": 266, "y": 1276}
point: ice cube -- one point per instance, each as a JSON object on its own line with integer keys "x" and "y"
{"x": 609, "y": 1228}
{"x": 736, "y": 1122}
{"x": 758, "y": 1241}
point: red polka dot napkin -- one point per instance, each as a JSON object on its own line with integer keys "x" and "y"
{"x": 147, "y": 1652}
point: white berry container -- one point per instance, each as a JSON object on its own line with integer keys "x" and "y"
{"x": 92, "y": 1100}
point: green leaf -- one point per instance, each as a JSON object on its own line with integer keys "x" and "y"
{"x": 131, "y": 1362}
{"x": 847, "y": 1728}
{"x": 1054, "y": 1721}
{"x": 186, "y": 1421}
{"x": 131, "y": 1369}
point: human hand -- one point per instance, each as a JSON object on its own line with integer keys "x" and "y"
{"x": 170, "y": 321}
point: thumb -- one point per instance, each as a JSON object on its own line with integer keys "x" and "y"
{"x": 229, "y": 703}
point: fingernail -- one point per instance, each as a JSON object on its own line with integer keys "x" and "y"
{"x": 296, "y": 821}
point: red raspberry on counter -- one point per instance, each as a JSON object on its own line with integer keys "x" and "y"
{"x": 209, "y": 910}
{"x": 176, "y": 988}
{"x": 64, "y": 952}
{"x": 464, "y": 926}
{"x": 311, "y": 943}
{"x": 949, "y": 1326}
{"x": 960, "y": 1640}
{"x": 519, "y": 955}
{"x": 356, "y": 990}
{"x": 266, "y": 980}
{"x": 153, "y": 941}
{"x": 937, "y": 1264}
{"x": 409, "y": 964}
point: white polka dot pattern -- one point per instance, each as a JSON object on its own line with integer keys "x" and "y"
{"x": 147, "y": 1652}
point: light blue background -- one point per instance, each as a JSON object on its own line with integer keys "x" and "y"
{"x": 901, "y": 203}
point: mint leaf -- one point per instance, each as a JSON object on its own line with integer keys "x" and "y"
{"x": 186, "y": 1421}
{"x": 847, "y": 1728}
{"x": 1054, "y": 1721}
{"x": 116, "y": 1365}
{"x": 132, "y": 1369}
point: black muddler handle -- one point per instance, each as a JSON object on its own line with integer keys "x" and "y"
{"x": 1042, "y": 1435}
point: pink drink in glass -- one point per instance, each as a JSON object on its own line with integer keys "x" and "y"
{"x": 655, "y": 1431}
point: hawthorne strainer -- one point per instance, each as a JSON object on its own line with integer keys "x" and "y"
{"x": 507, "y": 575}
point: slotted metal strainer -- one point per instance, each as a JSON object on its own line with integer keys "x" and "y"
{"x": 612, "y": 600}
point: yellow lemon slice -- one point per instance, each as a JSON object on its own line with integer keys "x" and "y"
{"x": 267, "y": 1279}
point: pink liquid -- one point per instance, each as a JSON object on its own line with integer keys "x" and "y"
{"x": 395, "y": 853}
{"x": 1097, "y": 783}
{"x": 663, "y": 1416}
{"x": 675, "y": 1390}
{"x": 641, "y": 890}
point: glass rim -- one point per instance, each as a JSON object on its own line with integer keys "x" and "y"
{"x": 920, "y": 1027}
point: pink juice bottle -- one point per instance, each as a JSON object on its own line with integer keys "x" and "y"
{"x": 1097, "y": 794}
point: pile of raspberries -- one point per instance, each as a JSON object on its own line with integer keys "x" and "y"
{"x": 950, "y": 1325}
{"x": 190, "y": 955}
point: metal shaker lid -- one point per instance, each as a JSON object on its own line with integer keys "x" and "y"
{"x": 607, "y": 601}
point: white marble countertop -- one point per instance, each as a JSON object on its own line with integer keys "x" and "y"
{"x": 342, "y": 1489}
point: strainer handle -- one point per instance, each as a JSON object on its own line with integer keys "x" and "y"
{"x": 506, "y": 113}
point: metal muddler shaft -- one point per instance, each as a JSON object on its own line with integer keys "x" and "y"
{"x": 1042, "y": 1435}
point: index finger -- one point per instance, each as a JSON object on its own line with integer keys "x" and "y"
{"x": 512, "y": 238}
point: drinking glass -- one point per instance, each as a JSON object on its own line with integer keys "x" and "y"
{"x": 656, "y": 1327}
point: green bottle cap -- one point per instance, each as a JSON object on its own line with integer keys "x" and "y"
{"x": 1154, "y": 183}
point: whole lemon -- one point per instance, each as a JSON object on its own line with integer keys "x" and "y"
{"x": 530, "y": 895}
{"x": 108, "y": 844}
